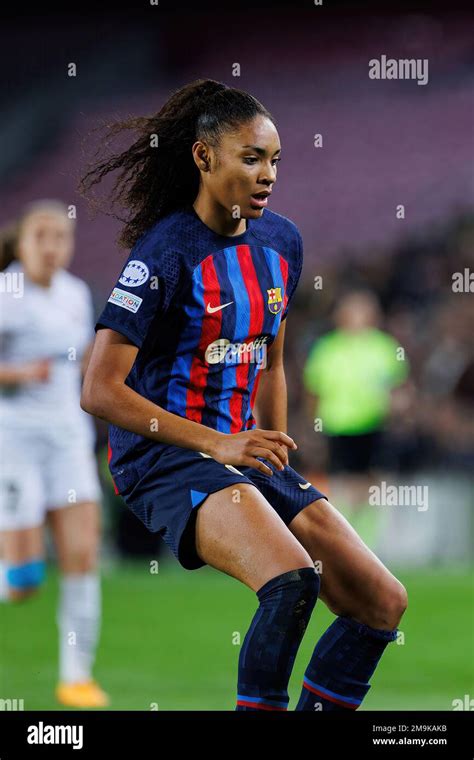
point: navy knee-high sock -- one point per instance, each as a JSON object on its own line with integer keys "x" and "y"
{"x": 343, "y": 660}
{"x": 271, "y": 643}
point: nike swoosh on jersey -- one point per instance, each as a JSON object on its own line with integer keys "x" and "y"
{"x": 212, "y": 309}
{"x": 304, "y": 486}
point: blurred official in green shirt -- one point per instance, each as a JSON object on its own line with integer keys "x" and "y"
{"x": 351, "y": 371}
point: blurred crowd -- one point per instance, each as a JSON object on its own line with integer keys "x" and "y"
{"x": 422, "y": 287}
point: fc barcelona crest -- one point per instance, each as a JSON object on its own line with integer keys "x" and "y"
{"x": 275, "y": 300}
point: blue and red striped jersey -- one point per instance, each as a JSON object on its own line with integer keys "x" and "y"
{"x": 203, "y": 310}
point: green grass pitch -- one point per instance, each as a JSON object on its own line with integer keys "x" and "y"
{"x": 170, "y": 641}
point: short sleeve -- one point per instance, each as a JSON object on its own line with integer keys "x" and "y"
{"x": 144, "y": 290}
{"x": 294, "y": 271}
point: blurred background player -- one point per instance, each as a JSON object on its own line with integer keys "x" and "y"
{"x": 46, "y": 440}
{"x": 349, "y": 377}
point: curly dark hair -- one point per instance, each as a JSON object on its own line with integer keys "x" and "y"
{"x": 157, "y": 173}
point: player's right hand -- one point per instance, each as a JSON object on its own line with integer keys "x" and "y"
{"x": 243, "y": 448}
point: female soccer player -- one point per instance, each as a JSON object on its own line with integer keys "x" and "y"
{"x": 46, "y": 440}
{"x": 194, "y": 325}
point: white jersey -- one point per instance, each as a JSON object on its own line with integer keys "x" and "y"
{"x": 55, "y": 323}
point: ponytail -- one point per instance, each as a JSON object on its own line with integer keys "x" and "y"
{"x": 157, "y": 174}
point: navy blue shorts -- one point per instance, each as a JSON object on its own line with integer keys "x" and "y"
{"x": 167, "y": 498}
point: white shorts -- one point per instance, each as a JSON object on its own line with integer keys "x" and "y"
{"x": 44, "y": 470}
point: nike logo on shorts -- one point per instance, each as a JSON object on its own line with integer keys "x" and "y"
{"x": 304, "y": 486}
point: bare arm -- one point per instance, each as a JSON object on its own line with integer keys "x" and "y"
{"x": 106, "y": 395}
{"x": 85, "y": 358}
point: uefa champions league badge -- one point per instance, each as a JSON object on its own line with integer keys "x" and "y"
{"x": 134, "y": 274}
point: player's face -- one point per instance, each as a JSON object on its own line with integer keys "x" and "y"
{"x": 45, "y": 244}
{"x": 246, "y": 166}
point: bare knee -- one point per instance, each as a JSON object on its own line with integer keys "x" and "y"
{"x": 76, "y": 531}
{"x": 390, "y": 606}
{"x": 399, "y": 602}
{"x": 79, "y": 559}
